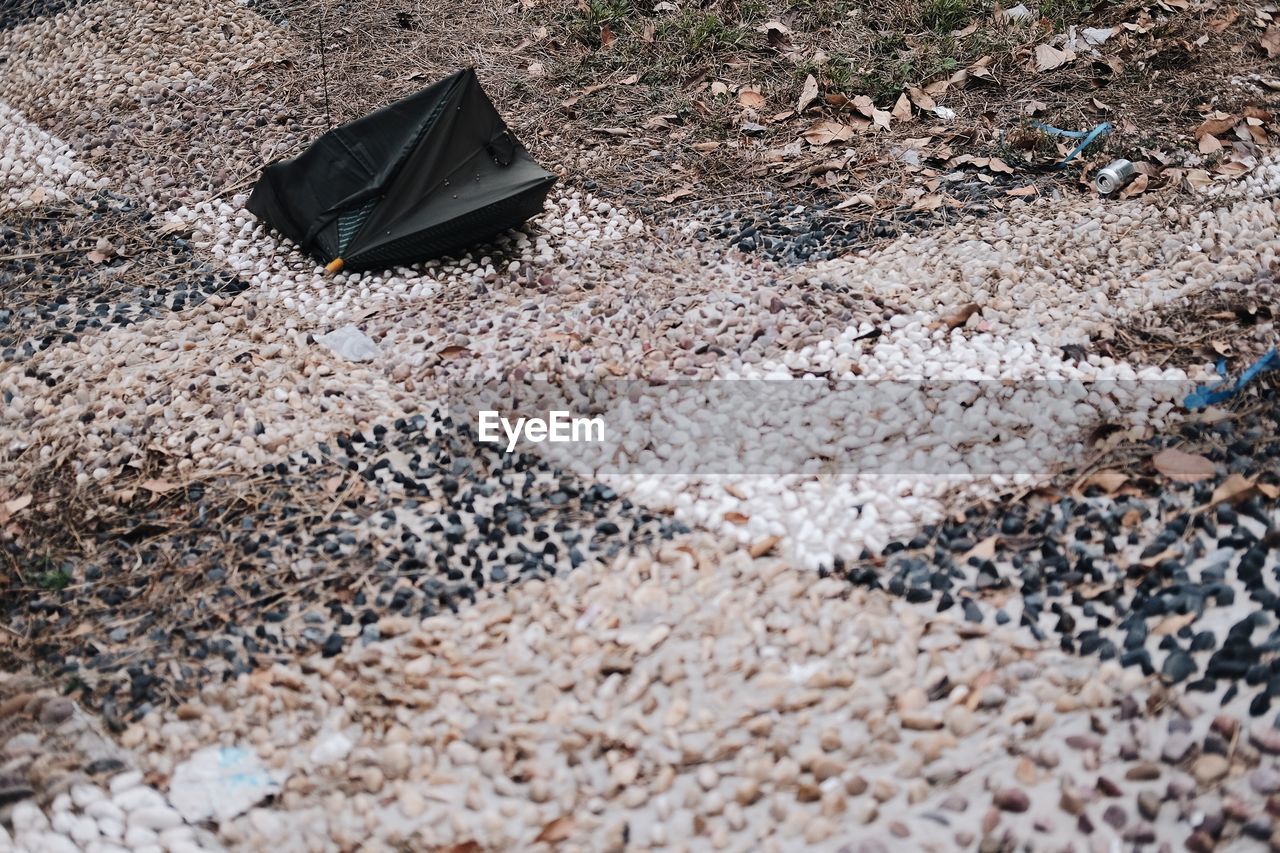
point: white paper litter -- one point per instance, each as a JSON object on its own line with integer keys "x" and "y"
{"x": 220, "y": 782}
{"x": 1097, "y": 35}
{"x": 350, "y": 343}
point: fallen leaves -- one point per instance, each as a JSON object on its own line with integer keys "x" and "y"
{"x": 1182, "y": 467}
{"x": 683, "y": 192}
{"x": 1174, "y": 624}
{"x": 764, "y": 546}
{"x": 1106, "y": 479}
{"x": 808, "y": 94}
{"x": 18, "y": 504}
{"x": 557, "y": 830}
{"x": 921, "y": 99}
{"x": 957, "y": 318}
{"x": 1238, "y": 487}
{"x": 1136, "y": 187}
{"x": 1270, "y": 41}
{"x": 827, "y": 132}
{"x": 102, "y": 252}
{"x": 984, "y": 550}
{"x": 751, "y": 98}
{"x": 1216, "y": 123}
{"x": 1048, "y": 58}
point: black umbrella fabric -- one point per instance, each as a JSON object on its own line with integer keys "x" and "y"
{"x": 429, "y": 175}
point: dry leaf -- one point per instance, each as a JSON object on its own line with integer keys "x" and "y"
{"x": 454, "y": 351}
{"x": 678, "y": 194}
{"x": 736, "y": 518}
{"x": 557, "y": 830}
{"x": 18, "y": 504}
{"x": 1106, "y": 479}
{"x": 1216, "y": 123}
{"x": 1196, "y": 178}
{"x": 1237, "y": 488}
{"x": 1136, "y": 187}
{"x": 1049, "y": 58}
{"x": 606, "y": 36}
{"x": 751, "y": 97}
{"x": 1173, "y": 624}
{"x": 1183, "y": 467}
{"x": 1209, "y": 144}
{"x": 1270, "y": 41}
{"x": 921, "y": 99}
{"x": 961, "y": 316}
{"x": 881, "y": 118}
{"x": 995, "y": 164}
{"x": 1223, "y": 21}
{"x": 902, "y": 108}
{"x": 933, "y": 201}
{"x": 826, "y": 132}
{"x": 854, "y": 200}
{"x": 984, "y": 550}
{"x": 1027, "y": 190}
{"x": 629, "y": 81}
{"x": 159, "y": 487}
{"x": 98, "y": 257}
{"x": 764, "y": 546}
{"x": 808, "y": 94}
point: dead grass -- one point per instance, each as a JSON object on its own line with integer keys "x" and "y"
{"x": 641, "y": 99}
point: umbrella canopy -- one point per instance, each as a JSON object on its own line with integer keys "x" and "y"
{"x": 429, "y": 175}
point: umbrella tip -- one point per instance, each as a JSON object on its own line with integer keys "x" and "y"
{"x": 334, "y": 266}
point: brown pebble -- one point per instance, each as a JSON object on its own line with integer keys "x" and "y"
{"x": 1011, "y": 800}
{"x": 899, "y": 829}
{"x": 1200, "y": 842}
{"x": 1144, "y": 772}
{"x": 57, "y": 711}
{"x": 1083, "y": 742}
{"x": 1071, "y": 802}
{"x": 1225, "y": 725}
{"x": 1108, "y": 788}
{"x": 1149, "y": 803}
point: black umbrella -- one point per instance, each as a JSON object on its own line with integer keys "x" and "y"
{"x": 429, "y": 175}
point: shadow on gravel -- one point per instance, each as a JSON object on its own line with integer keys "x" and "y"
{"x": 140, "y": 604}
{"x": 1119, "y": 561}
{"x": 88, "y": 265}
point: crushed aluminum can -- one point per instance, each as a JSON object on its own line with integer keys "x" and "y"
{"x": 1114, "y": 176}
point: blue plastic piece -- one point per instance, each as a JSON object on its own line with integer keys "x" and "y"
{"x": 1212, "y": 394}
{"x": 1086, "y": 138}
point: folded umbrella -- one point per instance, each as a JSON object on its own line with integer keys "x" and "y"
{"x": 429, "y": 175}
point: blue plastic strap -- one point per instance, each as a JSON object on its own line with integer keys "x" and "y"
{"x": 1086, "y": 138}
{"x": 1212, "y": 394}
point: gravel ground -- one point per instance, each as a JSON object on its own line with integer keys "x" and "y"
{"x": 319, "y": 562}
